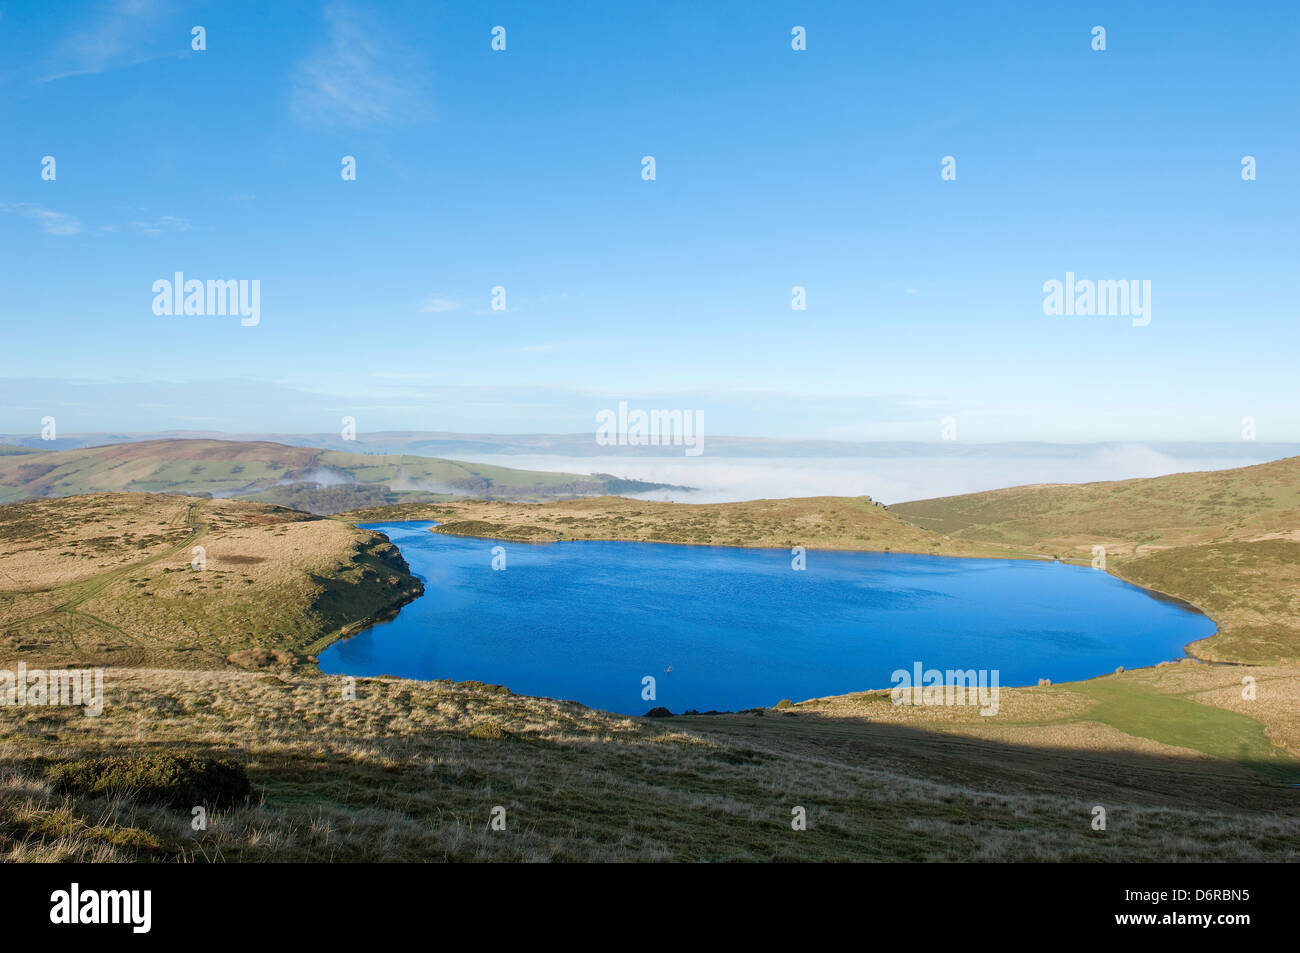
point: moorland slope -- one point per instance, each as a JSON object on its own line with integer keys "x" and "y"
{"x": 317, "y": 481}
{"x": 216, "y": 663}
{"x": 1227, "y": 541}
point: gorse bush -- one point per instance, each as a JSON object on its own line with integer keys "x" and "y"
{"x": 180, "y": 781}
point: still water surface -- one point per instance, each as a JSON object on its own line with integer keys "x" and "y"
{"x": 722, "y": 628}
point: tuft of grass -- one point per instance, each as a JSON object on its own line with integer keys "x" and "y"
{"x": 180, "y": 781}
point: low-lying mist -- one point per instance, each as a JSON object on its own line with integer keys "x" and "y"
{"x": 888, "y": 480}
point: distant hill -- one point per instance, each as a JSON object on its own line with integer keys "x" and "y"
{"x": 1227, "y": 541}
{"x": 450, "y": 444}
{"x": 1242, "y": 503}
{"x": 306, "y": 478}
{"x": 828, "y": 522}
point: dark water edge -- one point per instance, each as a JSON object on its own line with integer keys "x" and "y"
{"x": 724, "y": 628}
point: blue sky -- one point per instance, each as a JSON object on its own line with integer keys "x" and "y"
{"x": 775, "y": 168}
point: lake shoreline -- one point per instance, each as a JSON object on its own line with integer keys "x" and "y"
{"x": 1166, "y": 596}
{"x": 435, "y": 527}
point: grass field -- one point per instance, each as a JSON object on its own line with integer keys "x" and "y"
{"x": 1191, "y": 761}
{"x": 398, "y": 774}
{"x": 1128, "y": 517}
{"x": 1226, "y": 541}
{"x": 109, "y": 579}
{"x": 826, "y": 522}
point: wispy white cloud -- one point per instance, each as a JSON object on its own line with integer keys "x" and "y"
{"x": 125, "y": 33}
{"x": 548, "y": 347}
{"x": 404, "y": 375}
{"x": 358, "y": 77}
{"x": 436, "y": 305}
{"x": 164, "y": 223}
{"x": 51, "y": 222}
{"x": 61, "y": 223}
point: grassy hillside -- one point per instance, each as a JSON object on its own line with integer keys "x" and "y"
{"x": 413, "y": 770}
{"x": 1246, "y": 503}
{"x": 817, "y": 522}
{"x": 1185, "y": 766}
{"x": 1226, "y": 541}
{"x": 109, "y": 579}
{"x": 303, "y": 477}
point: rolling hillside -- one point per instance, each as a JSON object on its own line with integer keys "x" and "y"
{"x": 827, "y": 522}
{"x": 317, "y": 481}
{"x": 111, "y": 579}
{"x": 1182, "y": 509}
{"x": 217, "y": 662}
{"x": 1227, "y": 541}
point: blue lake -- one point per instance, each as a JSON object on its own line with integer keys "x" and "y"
{"x": 722, "y": 628}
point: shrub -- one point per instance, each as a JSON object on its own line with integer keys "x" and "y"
{"x": 489, "y": 730}
{"x": 181, "y": 781}
{"x": 257, "y": 658}
{"x": 485, "y": 687}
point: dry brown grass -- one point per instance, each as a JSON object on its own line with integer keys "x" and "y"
{"x": 814, "y": 522}
{"x": 108, "y": 579}
{"x": 1061, "y": 716}
{"x": 45, "y": 544}
{"x": 396, "y": 775}
{"x": 399, "y": 774}
{"x": 1125, "y": 516}
{"x": 1224, "y": 541}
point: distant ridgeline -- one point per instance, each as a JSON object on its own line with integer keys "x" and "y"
{"x": 305, "y": 478}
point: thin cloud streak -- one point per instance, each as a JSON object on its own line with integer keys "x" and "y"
{"x": 119, "y": 38}
{"x": 437, "y": 305}
{"x": 51, "y": 222}
{"x": 357, "y": 77}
